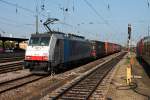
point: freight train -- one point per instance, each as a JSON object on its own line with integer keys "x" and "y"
{"x": 101, "y": 49}
{"x": 53, "y": 50}
{"x": 143, "y": 49}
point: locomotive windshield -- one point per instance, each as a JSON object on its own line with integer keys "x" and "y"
{"x": 44, "y": 41}
{"x": 39, "y": 41}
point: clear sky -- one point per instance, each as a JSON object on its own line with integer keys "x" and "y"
{"x": 105, "y": 20}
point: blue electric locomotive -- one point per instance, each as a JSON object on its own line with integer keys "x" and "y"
{"x": 51, "y": 50}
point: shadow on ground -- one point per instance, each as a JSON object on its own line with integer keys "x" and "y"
{"x": 145, "y": 66}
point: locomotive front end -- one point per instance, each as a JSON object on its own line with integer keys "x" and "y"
{"x": 37, "y": 52}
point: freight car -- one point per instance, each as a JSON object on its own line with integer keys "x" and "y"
{"x": 101, "y": 49}
{"x": 112, "y": 48}
{"x": 98, "y": 49}
{"x": 143, "y": 49}
{"x": 49, "y": 51}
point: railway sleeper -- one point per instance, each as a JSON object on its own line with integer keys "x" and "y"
{"x": 85, "y": 86}
{"x": 81, "y": 90}
{"x": 89, "y": 83}
{"x": 10, "y": 70}
{"x": 71, "y": 98}
{"x": 77, "y": 94}
{"x": 11, "y": 67}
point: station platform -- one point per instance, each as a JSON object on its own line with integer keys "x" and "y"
{"x": 140, "y": 83}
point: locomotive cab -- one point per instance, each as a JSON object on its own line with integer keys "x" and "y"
{"x": 37, "y": 53}
{"x": 44, "y": 51}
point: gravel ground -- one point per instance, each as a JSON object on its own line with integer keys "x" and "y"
{"x": 38, "y": 89}
{"x": 13, "y": 75}
{"x": 119, "y": 90}
{"x": 101, "y": 91}
{"x": 35, "y": 89}
{"x": 44, "y": 85}
{"x": 95, "y": 64}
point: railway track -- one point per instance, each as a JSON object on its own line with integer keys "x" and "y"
{"x": 4, "y": 60}
{"x": 16, "y": 83}
{"x": 83, "y": 88}
{"x": 11, "y": 67}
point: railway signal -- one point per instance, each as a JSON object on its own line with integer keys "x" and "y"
{"x": 129, "y": 69}
{"x": 129, "y": 31}
{"x": 129, "y": 37}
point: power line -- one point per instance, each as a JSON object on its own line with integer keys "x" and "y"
{"x": 23, "y": 8}
{"x": 94, "y": 10}
{"x": 6, "y": 19}
{"x": 14, "y": 24}
{"x": 18, "y": 6}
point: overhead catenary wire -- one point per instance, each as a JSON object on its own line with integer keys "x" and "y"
{"x": 106, "y": 22}
{"x": 18, "y": 6}
{"x": 94, "y": 10}
{"x": 13, "y": 21}
{"x": 15, "y": 25}
{"x": 10, "y": 30}
{"x": 21, "y": 7}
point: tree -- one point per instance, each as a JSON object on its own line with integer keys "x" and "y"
{"x": 1, "y": 44}
{"x": 7, "y": 44}
{"x": 13, "y": 45}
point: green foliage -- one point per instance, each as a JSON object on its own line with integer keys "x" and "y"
{"x": 13, "y": 45}
{"x": 1, "y": 44}
{"x": 7, "y": 44}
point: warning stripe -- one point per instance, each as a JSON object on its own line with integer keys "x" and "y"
{"x": 37, "y": 58}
